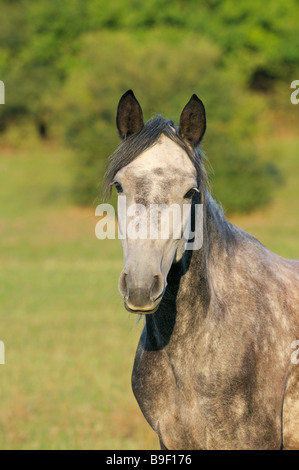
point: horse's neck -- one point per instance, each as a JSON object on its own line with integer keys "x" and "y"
{"x": 188, "y": 293}
{"x": 195, "y": 288}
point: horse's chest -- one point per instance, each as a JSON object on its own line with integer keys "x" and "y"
{"x": 169, "y": 403}
{"x": 191, "y": 411}
{"x": 183, "y": 426}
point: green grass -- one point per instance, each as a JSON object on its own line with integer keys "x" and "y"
{"x": 69, "y": 343}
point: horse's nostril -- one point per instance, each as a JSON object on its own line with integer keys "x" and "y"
{"x": 157, "y": 287}
{"x": 122, "y": 285}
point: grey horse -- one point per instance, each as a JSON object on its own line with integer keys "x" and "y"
{"x": 213, "y": 367}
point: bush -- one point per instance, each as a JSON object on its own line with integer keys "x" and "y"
{"x": 166, "y": 72}
{"x": 66, "y": 65}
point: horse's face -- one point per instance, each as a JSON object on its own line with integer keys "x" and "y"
{"x": 162, "y": 175}
{"x": 161, "y": 178}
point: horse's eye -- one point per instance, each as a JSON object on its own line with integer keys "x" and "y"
{"x": 191, "y": 193}
{"x": 118, "y": 187}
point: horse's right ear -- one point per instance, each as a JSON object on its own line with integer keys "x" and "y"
{"x": 129, "y": 118}
{"x": 193, "y": 121}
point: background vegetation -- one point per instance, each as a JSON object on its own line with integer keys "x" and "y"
{"x": 69, "y": 343}
{"x": 66, "y": 67}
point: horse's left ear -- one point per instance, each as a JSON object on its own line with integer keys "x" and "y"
{"x": 193, "y": 121}
{"x": 129, "y": 117}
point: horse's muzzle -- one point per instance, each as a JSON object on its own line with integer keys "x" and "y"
{"x": 142, "y": 300}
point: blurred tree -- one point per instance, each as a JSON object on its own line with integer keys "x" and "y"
{"x": 110, "y": 63}
{"x": 66, "y": 65}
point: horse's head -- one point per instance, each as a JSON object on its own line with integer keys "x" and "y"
{"x": 153, "y": 170}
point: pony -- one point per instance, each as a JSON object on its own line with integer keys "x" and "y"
{"x": 213, "y": 368}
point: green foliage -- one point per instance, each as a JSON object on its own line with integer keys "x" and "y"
{"x": 66, "y": 65}
{"x": 242, "y": 182}
{"x": 109, "y": 64}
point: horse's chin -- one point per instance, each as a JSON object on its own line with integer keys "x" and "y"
{"x": 142, "y": 312}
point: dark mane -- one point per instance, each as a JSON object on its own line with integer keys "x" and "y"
{"x": 132, "y": 147}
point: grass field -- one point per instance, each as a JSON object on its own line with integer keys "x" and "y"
{"x": 69, "y": 343}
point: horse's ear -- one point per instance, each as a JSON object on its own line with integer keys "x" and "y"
{"x": 193, "y": 121}
{"x": 129, "y": 117}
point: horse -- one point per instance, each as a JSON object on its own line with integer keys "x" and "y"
{"x": 213, "y": 366}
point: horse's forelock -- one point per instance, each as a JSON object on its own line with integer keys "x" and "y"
{"x": 132, "y": 147}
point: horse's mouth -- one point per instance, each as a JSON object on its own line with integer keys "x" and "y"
{"x": 140, "y": 311}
